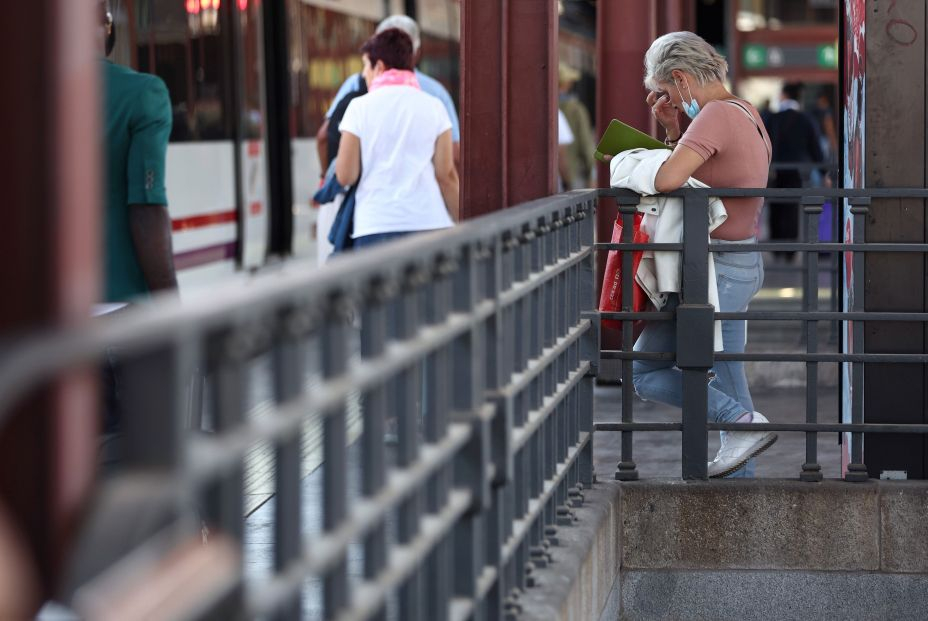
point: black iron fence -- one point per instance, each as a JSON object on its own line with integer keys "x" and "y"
{"x": 480, "y": 342}
{"x": 694, "y": 319}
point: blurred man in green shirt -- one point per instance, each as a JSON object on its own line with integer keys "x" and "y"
{"x": 137, "y": 122}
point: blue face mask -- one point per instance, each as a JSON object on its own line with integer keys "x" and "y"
{"x": 691, "y": 109}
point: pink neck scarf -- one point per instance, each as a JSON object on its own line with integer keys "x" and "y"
{"x": 394, "y": 77}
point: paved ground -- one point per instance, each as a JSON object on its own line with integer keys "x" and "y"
{"x": 657, "y": 454}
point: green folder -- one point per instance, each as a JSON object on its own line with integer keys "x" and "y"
{"x": 621, "y": 137}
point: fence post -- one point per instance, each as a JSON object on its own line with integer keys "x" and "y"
{"x": 628, "y": 207}
{"x": 812, "y": 207}
{"x": 374, "y": 407}
{"x": 695, "y": 334}
{"x": 288, "y": 355}
{"x": 856, "y": 470}
{"x": 589, "y": 344}
{"x": 334, "y": 342}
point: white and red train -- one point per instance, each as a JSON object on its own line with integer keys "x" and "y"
{"x": 211, "y": 54}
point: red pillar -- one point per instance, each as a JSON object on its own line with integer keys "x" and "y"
{"x": 624, "y": 31}
{"x": 481, "y": 107}
{"x": 531, "y": 99}
{"x": 509, "y": 103}
{"x": 49, "y": 274}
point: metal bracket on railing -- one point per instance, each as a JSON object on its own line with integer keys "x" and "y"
{"x": 589, "y": 342}
{"x": 501, "y": 437}
{"x": 695, "y": 336}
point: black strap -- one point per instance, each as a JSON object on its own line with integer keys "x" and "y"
{"x": 756, "y": 126}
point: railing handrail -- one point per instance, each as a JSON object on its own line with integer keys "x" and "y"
{"x": 26, "y": 360}
{"x": 508, "y": 393}
{"x": 695, "y": 316}
{"x": 812, "y": 194}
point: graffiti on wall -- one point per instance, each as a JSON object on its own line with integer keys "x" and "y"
{"x": 855, "y": 70}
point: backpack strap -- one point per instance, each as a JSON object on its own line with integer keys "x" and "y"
{"x": 753, "y": 120}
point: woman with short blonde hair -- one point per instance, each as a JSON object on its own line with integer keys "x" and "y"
{"x": 725, "y": 146}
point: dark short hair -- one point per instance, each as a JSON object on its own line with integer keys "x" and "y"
{"x": 793, "y": 90}
{"x": 392, "y": 46}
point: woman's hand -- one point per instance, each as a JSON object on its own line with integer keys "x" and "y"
{"x": 665, "y": 113}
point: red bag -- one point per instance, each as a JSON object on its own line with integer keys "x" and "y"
{"x": 611, "y": 298}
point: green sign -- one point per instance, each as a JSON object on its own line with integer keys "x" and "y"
{"x": 828, "y": 56}
{"x": 754, "y": 56}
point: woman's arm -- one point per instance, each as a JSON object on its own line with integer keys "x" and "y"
{"x": 446, "y": 174}
{"x": 679, "y": 167}
{"x": 348, "y": 161}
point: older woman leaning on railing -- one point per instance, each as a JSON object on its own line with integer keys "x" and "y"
{"x": 725, "y": 145}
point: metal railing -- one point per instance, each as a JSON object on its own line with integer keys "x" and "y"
{"x": 480, "y": 340}
{"x": 694, "y": 318}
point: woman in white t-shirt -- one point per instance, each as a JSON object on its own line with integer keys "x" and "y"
{"x": 401, "y": 138}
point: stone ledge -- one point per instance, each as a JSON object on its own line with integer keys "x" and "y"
{"x": 904, "y": 527}
{"x": 775, "y": 524}
{"x": 584, "y": 567}
{"x": 744, "y": 595}
{"x": 755, "y": 549}
{"x": 759, "y": 524}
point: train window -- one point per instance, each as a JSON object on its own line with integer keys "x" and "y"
{"x": 252, "y": 76}
{"x": 185, "y": 43}
{"x": 301, "y": 126}
{"x": 333, "y": 41}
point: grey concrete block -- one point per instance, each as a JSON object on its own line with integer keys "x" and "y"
{"x": 584, "y": 567}
{"x": 904, "y": 526}
{"x": 762, "y": 595}
{"x": 760, "y": 524}
{"x": 613, "y": 606}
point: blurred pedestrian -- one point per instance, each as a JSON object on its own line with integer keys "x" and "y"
{"x": 724, "y": 146}
{"x": 333, "y": 196}
{"x": 565, "y": 139}
{"x": 327, "y": 138}
{"x": 138, "y": 254}
{"x": 824, "y": 116}
{"x": 580, "y": 161}
{"x": 354, "y": 82}
{"x": 795, "y": 140}
{"x": 137, "y": 123}
{"x": 403, "y": 136}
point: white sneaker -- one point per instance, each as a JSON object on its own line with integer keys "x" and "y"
{"x": 739, "y": 447}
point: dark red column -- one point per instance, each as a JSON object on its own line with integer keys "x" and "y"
{"x": 531, "y": 100}
{"x": 49, "y": 275}
{"x": 481, "y": 107}
{"x": 674, "y": 15}
{"x": 509, "y": 103}
{"x": 624, "y": 31}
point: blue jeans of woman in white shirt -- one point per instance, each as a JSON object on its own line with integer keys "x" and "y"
{"x": 739, "y": 276}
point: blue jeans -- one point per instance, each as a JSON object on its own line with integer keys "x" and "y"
{"x": 377, "y": 238}
{"x": 739, "y": 276}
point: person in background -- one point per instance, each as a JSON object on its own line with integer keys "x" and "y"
{"x": 428, "y": 85}
{"x": 724, "y": 146}
{"x": 580, "y": 162}
{"x": 823, "y": 115}
{"x": 329, "y": 210}
{"x": 138, "y": 253}
{"x": 565, "y": 138}
{"x": 824, "y": 118}
{"x": 403, "y": 137}
{"x": 137, "y": 118}
{"x": 795, "y": 139}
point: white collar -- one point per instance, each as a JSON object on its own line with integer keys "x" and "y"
{"x": 789, "y": 104}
